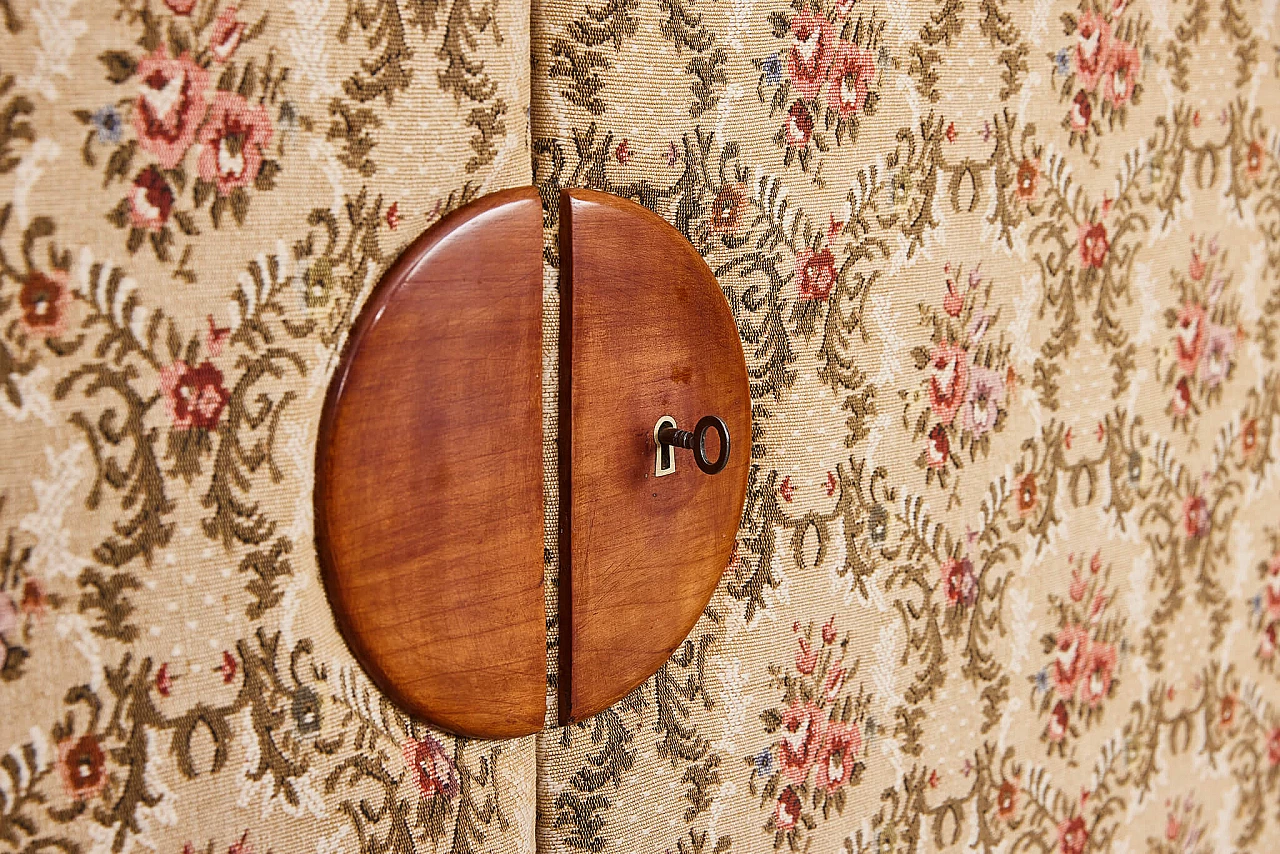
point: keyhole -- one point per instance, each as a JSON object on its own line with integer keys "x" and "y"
{"x": 665, "y": 461}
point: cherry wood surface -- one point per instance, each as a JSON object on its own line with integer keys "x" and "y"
{"x": 645, "y": 332}
{"x": 429, "y": 498}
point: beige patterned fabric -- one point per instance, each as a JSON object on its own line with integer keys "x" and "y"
{"x": 1005, "y": 272}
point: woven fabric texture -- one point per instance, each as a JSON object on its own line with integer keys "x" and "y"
{"x": 1007, "y": 276}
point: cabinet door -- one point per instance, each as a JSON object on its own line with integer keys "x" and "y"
{"x": 195, "y": 201}
{"x": 1005, "y": 278}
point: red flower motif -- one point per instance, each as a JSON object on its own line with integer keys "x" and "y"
{"x": 1267, "y": 646}
{"x": 1273, "y": 746}
{"x": 1093, "y": 245}
{"x": 1073, "y": 836}
{"x": 1077, "y": 585}
{"x": 431, "y": 767}
{"x": 1007, "y": 799}
{"x": 169, "y": 106}
{"x": 193, "y": 397}
{"x": 1081, "y": 112}
{"x": 787, "y": 813}
{"x": 953, "y": 302}
{"x": 164, "y": 682}
{"x": 1093, "y": 48}
{"x": 1196, "y": 268}
{"x": 228, "y": 667}
{"x": 1028, "y": 179}
{"x": 839, "y": 753}
{"x": 815, "y": 273}
{"x": 1027, "y": 495}
{"x": 802, "y": 737}
{"x": 232, "y": 141}
{"x": 829, "y": 630}
{"x": 851, "y": 73}
{"x": 622, "y": 153}
{"x": 1181, "y": 402}
{"x": 799, "y": 127}
{"x": 1249, "y": 436}
{"x": 225, "y": 38}
{"x": 1057, "y": 729}
{"x": 1254, "y": 159}
{"x": 727, "y": 209}
{"x": 82, "y": 766}
{"x": 44, "y": 299}
{"x": 1227, "y": 711}
{"x": 1069, "y": 657}
{"x": 810, "y": 54}
{"x": 32, "y": 597}
{"x": 1098, "y": 673}
{"x": 242, "y": 845}
{"x": 180, "y": 7}
{"x": 938, "y": 450}
{"x": 949, "y": 381}
{"x": 1195, "y": 516}
{"x": 1121, "y": 77}
{"x": 959, "y": 582}
{"x": 150, "y": 200}
{"x": 393, "y": 216}
{"x": 806, "y": 658}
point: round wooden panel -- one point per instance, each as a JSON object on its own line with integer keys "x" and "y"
{"x": 429, "y": 499}
{"x": 645, "y": 332}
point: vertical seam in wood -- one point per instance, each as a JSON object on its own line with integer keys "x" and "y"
{"x": 564, "y": 439}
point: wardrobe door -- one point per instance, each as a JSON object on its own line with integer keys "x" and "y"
{"x": 1005, "y": 277}
{"x": 196, "y": 199}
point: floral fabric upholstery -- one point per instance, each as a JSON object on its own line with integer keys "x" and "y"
{"x": 1006, "y": 276}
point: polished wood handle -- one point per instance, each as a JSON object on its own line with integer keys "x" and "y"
{"x": 696, "y": 441}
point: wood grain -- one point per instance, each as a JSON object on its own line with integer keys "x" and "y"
{"x": 645, "y": 332}
{"x": 429, "y": 498}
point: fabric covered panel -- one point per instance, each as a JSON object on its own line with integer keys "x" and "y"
{"x": 195, "y": 200}
{"x": 1005, "y": 273}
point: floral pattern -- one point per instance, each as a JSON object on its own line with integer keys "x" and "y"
{"x": 1006, "y": 280}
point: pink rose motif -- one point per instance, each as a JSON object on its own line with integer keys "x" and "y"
{"x": 852, "y": 70}
{"x": 169, "y": 106}
{"x": 802, "y": 736}
{"x": 1195, "y": 516}
{"x": 193, "y": 397}
{"x": 1077, "y": 585}
{"x": 1057, "y": 729}
{"x": 958, "y": 581}
{"x": 225, "y": 38}
{"x": 1121, "y": 77}
{"x": 1190, "y": 336}
{"x": 810, "y": 54}
{"x": 232, "y": 141}
{"x": 431, "y": 767}
{"x": 986, "y": 396}
{"x": 1093, "y": 47}
{"x": 949, "y": 381}
{"x": 938, "y": 449}
{"x": 1081, "y": 112}
{"x": 839, "y": 753}
{"x": 150, "y": 200}
{"x": 1093, "y": 245}
{"x": 1098, "y": 673}
{"x": 1069, "y": 658}
{"x": 799, "y": 127}
{"x": 1215, "y": 364}
{"x": 815, "y": 273}
{"x": 1272, "y": 606}
{"x": 787, "y": 813}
